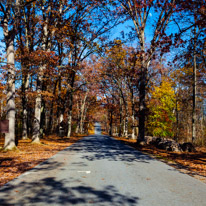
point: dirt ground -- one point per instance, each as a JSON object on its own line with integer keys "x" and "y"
{"x": 14, "y": 163}
{"x": 193, "y": 164}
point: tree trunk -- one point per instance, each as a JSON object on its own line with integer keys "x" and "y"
{"x": 25, "y": 87}
{"x": 38, "y": 104}
{"x": 37, "y": 112}
{"x": 43, "y": 117}
{"x": 78, "y": 118}
{"x": 110, "y": 123}
{"x": 1, "y": 106}
{"x": 120, "y": 117}
{"x": 25, "y": 79}
{"x": 177, "y": 122}
{"x": 61, "y": 109}
{"x": 124, "y": 127}
{"x": 69, "y": 124}
{"x": 142, "y": 106}
{"x": 51, "y": 118}
{"x": 9, "y": 143}
{"x": 30, "y": 112}
{"x": 70, "y": 101}
{"x": 83, "y": 113}
{"x": 47, "y": 115}
{"x": 70, "y": 114}
{"x": 61, "y": 128}
{"x": 84, "y": 117}
{"x": 133, "y": 115}
{"x": 126, "y": 120}
{"x": 194, "y": 88}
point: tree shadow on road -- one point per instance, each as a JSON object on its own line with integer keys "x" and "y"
{"x": 49, "y": 191}
{"x": 98, "y": 147}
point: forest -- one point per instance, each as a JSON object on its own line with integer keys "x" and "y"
{"x": 136, "y": 66}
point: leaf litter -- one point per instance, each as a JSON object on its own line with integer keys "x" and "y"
{"x": 14, "y": 163}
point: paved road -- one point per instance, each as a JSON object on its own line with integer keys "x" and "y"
{"x": 101, "y": 171}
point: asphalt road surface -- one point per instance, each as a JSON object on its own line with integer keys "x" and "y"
{"x": 99, "y": 170}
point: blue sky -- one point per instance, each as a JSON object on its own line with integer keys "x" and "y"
{"x": 116, "y": 32}
{"x": 2, "y": 44}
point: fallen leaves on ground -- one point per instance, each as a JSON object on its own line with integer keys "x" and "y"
{"x": 14, "y": 163}
{"x": 193, "y": 164}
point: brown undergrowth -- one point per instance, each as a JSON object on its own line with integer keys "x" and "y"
{"x": 193, "y": 164}
{"x": 14, "y": 163}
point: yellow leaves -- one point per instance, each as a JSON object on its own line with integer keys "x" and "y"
{"x": 161, "y": 106}
{"x": 164, "y": 94}
{"x": 91, "y": 129}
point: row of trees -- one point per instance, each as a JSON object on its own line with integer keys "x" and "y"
{"x": 49, "y": 40}
{"x": 60, "y": 83}
{"x": 169, "y": 99}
